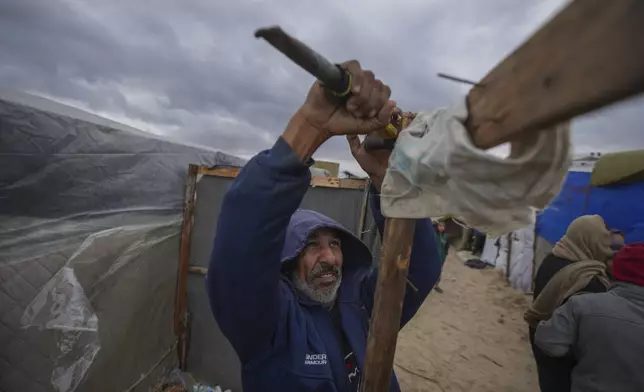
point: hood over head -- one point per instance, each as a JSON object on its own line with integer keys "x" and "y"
{"x": 303, "y": 223}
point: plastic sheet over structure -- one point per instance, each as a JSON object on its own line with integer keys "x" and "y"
{"x": 620, "y": 205}
{"x": 90, "y": 214}
{"x": 517, "y": 248}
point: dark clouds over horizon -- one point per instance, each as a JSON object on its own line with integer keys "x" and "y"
{"x": 194, "y": 71}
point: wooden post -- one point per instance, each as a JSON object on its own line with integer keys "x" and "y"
{"x": 363, "y": 211}
{"x": 588, "y": 56}
{"x": 388, "y": 302}
{"x": 181, "y": 294}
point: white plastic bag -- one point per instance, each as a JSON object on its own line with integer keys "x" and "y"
{"x": 436, "y": 171}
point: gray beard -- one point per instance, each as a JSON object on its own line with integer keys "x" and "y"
{"x": 324, "y": 297}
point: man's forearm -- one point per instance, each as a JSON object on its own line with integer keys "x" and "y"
{"x": 303, "y": 138}
{"x": 245, "y": 262}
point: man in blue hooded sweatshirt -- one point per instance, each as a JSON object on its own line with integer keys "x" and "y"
{"x": 291, "y": 289}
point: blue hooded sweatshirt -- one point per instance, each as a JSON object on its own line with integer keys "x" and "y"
{"x": 284, "y": 340}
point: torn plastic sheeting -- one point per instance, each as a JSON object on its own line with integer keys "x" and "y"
{"x": 25, "y": 238}
{"x": 435, "y": 170}
{"x": 143, "y": 238}
{"x": 68, "y": 177}
{"x": 64, "y": 306}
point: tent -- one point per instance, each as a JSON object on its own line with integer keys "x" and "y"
{"x": 619, "y": 202}
{"x": 617, "y": 197}
{"x": 89, "y": 246}
{"x": 512, "y": 253}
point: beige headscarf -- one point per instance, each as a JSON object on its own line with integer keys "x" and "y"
{"x": 587, "y": 244}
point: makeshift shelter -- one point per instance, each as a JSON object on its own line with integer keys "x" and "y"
{"x": 89, "y": 245}
{"x": 618, "y": 200}
{"x": 512, "y": 253}
{"x": 611, "y": 186}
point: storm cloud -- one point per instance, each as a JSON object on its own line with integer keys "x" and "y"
{"x": 193, "y": 70}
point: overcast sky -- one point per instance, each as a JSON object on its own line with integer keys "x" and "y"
{"x": 192, "y": 69}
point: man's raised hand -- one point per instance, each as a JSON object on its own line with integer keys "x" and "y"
{"x": 321, "y": 116}
{"x": 367, "y": 109}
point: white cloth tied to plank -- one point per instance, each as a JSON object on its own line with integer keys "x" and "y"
{"x": 435, "y": 171}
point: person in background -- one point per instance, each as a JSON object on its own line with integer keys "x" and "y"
{"x": 443, "y": 247}
{"x": 478, "y": 242}
{"x": 617, "y": 242}
{"x": 576, "y": 264}
{"x": 618, "y": 239}
{"x": 604, "y": 331}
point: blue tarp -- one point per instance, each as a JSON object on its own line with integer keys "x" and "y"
{"x": 622, "y": 207}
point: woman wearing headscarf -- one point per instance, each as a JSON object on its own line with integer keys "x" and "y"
{"x": 577, "y": 264}
{"x": 603, "y": 330}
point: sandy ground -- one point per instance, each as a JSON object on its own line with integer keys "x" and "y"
{"x": 470, "y": 338}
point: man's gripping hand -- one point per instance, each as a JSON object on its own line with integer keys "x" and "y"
{"x": 367, "y": 109}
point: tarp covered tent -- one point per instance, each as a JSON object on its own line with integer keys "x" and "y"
{"x": 89, "y": 237}
{"x": 517, "y": 249}
{"x": 621, "y": 206}
{"x": 618, "y": 201}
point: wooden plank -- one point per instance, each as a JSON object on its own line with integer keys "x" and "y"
{"x": 227, "y": 172}
{"x": 181, "y": 294}
{"x": 353, "y": 183}
{"x": 388, "y": 303}
{"x": 334, "y": 182}
{"x": 322, "y": 181}
{"x": 588, "y": 56}
{"x": 363, "y": 212}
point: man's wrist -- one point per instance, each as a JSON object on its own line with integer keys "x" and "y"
{"x": 303, "y": 137}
